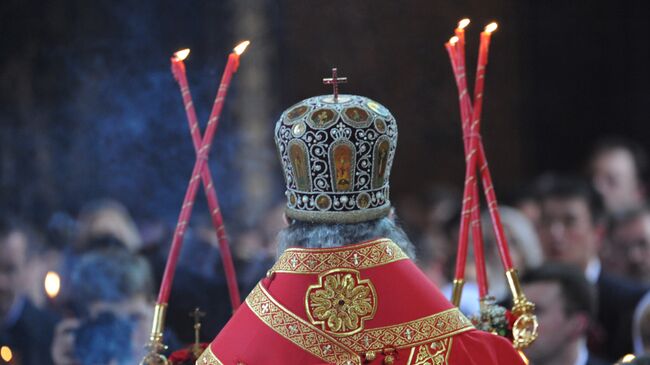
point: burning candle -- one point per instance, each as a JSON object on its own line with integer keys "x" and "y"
{"x": 202, "y": 155}
{"x": 52, "y": 284}
{"x": 480, "y": 68}
{"x": 460, "y": 44}
{"x": 488, "y": 188}
{"x": 178, "y": 70}
{"x": 6, "y": 354}
{"x": 524, "y": 330}
{"x": 470, "y": 217}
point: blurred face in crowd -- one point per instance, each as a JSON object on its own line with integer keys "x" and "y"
{"x": 614, "y": 176}
{"x": 557, "y": 329}
{"x": 632, "y": 239}
{"x": 138, "y": 310}
{"x": 531, "y": 209}
{"x": 568, "y": 233}
{"x": 13, "y": 248}
{"x": 63, "y": 342}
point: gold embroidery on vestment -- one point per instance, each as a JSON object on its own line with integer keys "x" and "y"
{"x": 208, "y": 358}
{"x": 436, "y": 353}
{"x": 422, "y": 330}
{"x": 297, "y": 330}
{"x": 362, "y": 256}
{"x": 341, "y": 302}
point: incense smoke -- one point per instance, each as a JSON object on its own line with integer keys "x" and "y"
{"x": 129, "y": 138}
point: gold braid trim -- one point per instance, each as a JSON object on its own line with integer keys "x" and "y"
{"x": 435, "y": 327}
{"x": 361, "y": 256}
{"x": 436, "y": 353}
{"x": 208, "y": 358}
{"x": 297, "y": 330}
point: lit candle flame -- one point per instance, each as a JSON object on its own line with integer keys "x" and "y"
{"x": 182, "y": 54}
{"x": 453, "y": 40}
{"x": 463, "y": 23}
{"x": 52, "y": 284}
{"x": 627, "y": 358}
{"x": 6, "y": 354}
{"x": 491, "y": 27}
{"x": 241, "y": 47}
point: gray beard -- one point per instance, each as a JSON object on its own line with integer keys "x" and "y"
{"x": 309, "y": 235}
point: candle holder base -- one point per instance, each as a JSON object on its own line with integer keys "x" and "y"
{"x": 154, "y": 358}
{"x": 155, "y": 345}
{"x": 457, "y": 291}
{"x": 525, "y": 328}
{"x": 492, "y": 317}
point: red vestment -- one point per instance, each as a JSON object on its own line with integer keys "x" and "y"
{"x": 359, "y": 304}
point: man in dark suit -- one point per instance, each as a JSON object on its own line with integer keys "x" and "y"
{"x": 571, "y": 232}
{"x": 24, "y": 329}
{"x": 565, "y": 303}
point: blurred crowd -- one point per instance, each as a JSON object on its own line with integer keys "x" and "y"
{"x": 82, "y": 290}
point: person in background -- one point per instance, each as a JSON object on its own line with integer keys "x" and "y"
{"x": 627, "y": 248}
{"x": 24, "y": 329}
{"x": 564, "y": 304}
{"x": 641, "y": 327}
{"x": 616, "y": 168}
{"x": 442, "y": 206}
{"x": 572, "y": 231}
{"x": 110, "y": 287}
{"x": 107, "y": 217}
{"x": 525, "y": 248}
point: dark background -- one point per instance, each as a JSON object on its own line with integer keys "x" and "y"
{"x": 89, "y": 109}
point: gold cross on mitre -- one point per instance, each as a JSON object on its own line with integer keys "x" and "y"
{"x": 334, "y": 81}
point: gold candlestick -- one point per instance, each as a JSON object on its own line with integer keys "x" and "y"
{"x": 156, "y": 345}
{"x": 525, "y": 328}
{"x": 457, "y": 291}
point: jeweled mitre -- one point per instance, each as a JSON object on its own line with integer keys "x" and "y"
{"x": 337, "y": 154}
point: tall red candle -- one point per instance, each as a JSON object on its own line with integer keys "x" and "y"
{"x": 470, "y": 216}
{"x": 471, "y": 131}
{"x": 502, "y": 244}
{"x": 202, "y": 153}
{"x": 460, "y": 62}
{"x": 178, "y": 70}
{"x": 461, "y": 255}
{"x": 480, "y": 71}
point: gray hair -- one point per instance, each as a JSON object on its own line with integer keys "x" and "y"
{"x": 319, "y": 235}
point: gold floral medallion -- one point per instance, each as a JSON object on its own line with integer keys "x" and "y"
{"x": 341, "y": 302}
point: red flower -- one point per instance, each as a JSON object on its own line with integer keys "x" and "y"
{"x": 185, "y": 356}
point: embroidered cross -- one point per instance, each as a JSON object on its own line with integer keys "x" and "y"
{"x": 293, "y": 329}
{"x": 294, "y": 262}
{"x": 265, "y": 307}
{"x": 389, "y": 251}
{"x": 356, "y": 259}
{"x": 408, "y": 333}
{"x": 327, "y": 349}
{"x": 334, "y": 81}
